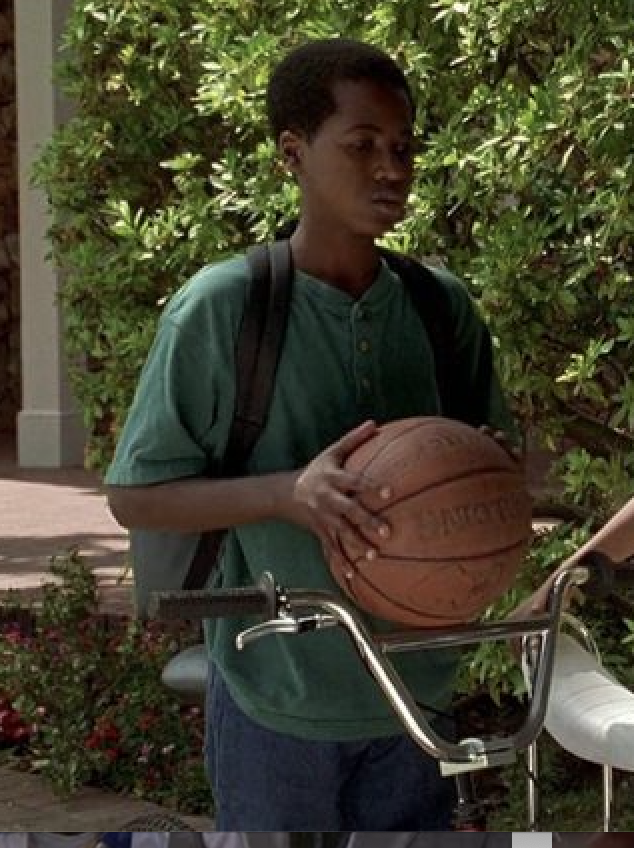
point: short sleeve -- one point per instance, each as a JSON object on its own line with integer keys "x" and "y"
{"x": 179, "y": 420}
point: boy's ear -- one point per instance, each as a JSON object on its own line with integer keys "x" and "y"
{"x": 289, "y": 146}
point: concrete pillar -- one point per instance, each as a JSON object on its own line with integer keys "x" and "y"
{"x": 50, "y": 434}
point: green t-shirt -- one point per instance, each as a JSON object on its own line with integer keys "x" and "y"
{"x": 343, "y": 361}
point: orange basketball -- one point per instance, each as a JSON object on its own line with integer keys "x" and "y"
{"x": 460, "y": 516}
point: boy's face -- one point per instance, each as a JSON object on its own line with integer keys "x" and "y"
{"x": 356, "y": 172}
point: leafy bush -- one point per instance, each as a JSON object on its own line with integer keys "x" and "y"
{"x": 524, "y": 186}
{"x": 89, "y": 696}
{"x": 490, "y": 666}
{"x": 532, "y": 176}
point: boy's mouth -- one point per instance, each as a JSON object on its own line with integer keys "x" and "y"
{"x": 391, "y": 202}
{"x": 388, "y": 198}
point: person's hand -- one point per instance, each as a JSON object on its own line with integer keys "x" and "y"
{"x": 330, "y": 500}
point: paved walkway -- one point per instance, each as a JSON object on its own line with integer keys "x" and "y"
{"x": 27, "y": 804}
{"x": 43, "y": 513}
{"x": 46, "y": 512}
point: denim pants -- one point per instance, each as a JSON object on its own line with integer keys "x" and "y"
{"x": 264, "y": 780}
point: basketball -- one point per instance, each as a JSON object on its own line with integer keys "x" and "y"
{"x": 460, "y": 519}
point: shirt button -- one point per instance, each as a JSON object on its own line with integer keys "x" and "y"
{"x": 364, "y": 345}
{"x": 365, "y": 382}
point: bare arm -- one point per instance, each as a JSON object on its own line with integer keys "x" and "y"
{"x": 199, "y": 504}
{"x": 323, "y": 497}
{"x": 615, "y": 539}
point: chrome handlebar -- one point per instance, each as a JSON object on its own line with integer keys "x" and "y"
{"x": 297, "y": 611}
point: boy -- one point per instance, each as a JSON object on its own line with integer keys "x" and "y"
{"x": 299, "y": 737}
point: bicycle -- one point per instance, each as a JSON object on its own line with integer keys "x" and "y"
{"x": 295, "y": 611}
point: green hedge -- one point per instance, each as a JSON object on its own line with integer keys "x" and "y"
{"x": 524, "y": 186}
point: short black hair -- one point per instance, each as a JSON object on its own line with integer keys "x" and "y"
{"x": 300, "y": 91}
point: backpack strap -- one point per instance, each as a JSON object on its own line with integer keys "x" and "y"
{"x": 468, "y": 403}
{"x": 432, "y": 305}
{"x": 258, "y": 348}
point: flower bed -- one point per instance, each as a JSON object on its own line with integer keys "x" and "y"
{"x": 82, "y": 703}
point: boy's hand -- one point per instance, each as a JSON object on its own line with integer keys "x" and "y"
{"x": 326, "y": 498}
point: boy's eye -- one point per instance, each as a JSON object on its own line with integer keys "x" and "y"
{"x": 408, "y": 148}
{"x": 404, "y": 151}
{"x": 362, "y": 145}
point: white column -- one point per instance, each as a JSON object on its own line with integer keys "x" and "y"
{"x": 50, "y": 434}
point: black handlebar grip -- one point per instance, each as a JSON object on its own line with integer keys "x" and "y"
{"x": 607, "y": 576}
{"x": 194, "y": 605}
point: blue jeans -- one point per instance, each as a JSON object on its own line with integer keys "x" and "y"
{"x": 116, "y": 839}
{"x": 264, "y": 780}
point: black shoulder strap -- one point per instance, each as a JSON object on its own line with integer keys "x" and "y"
{"x": 467, "y": 402}
{"x": 259, "y": 345}
{"x": 258, "y": 348}
{"x": 433, "y": 307}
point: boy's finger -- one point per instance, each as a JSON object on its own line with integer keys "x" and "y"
{"x": 346, "y": 481}
{"x": 351, "y": 441}
{"x": 363, "y": 522}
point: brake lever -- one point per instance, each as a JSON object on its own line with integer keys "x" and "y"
{"x": 285, "y": 623}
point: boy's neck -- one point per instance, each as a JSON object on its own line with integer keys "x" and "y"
{"x": 347, "y": 264}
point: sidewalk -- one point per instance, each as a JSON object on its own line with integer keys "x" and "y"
{"x": 42, "y": 513}
{"x": 46, "y": 512}
{"x": 26, "y": 804}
